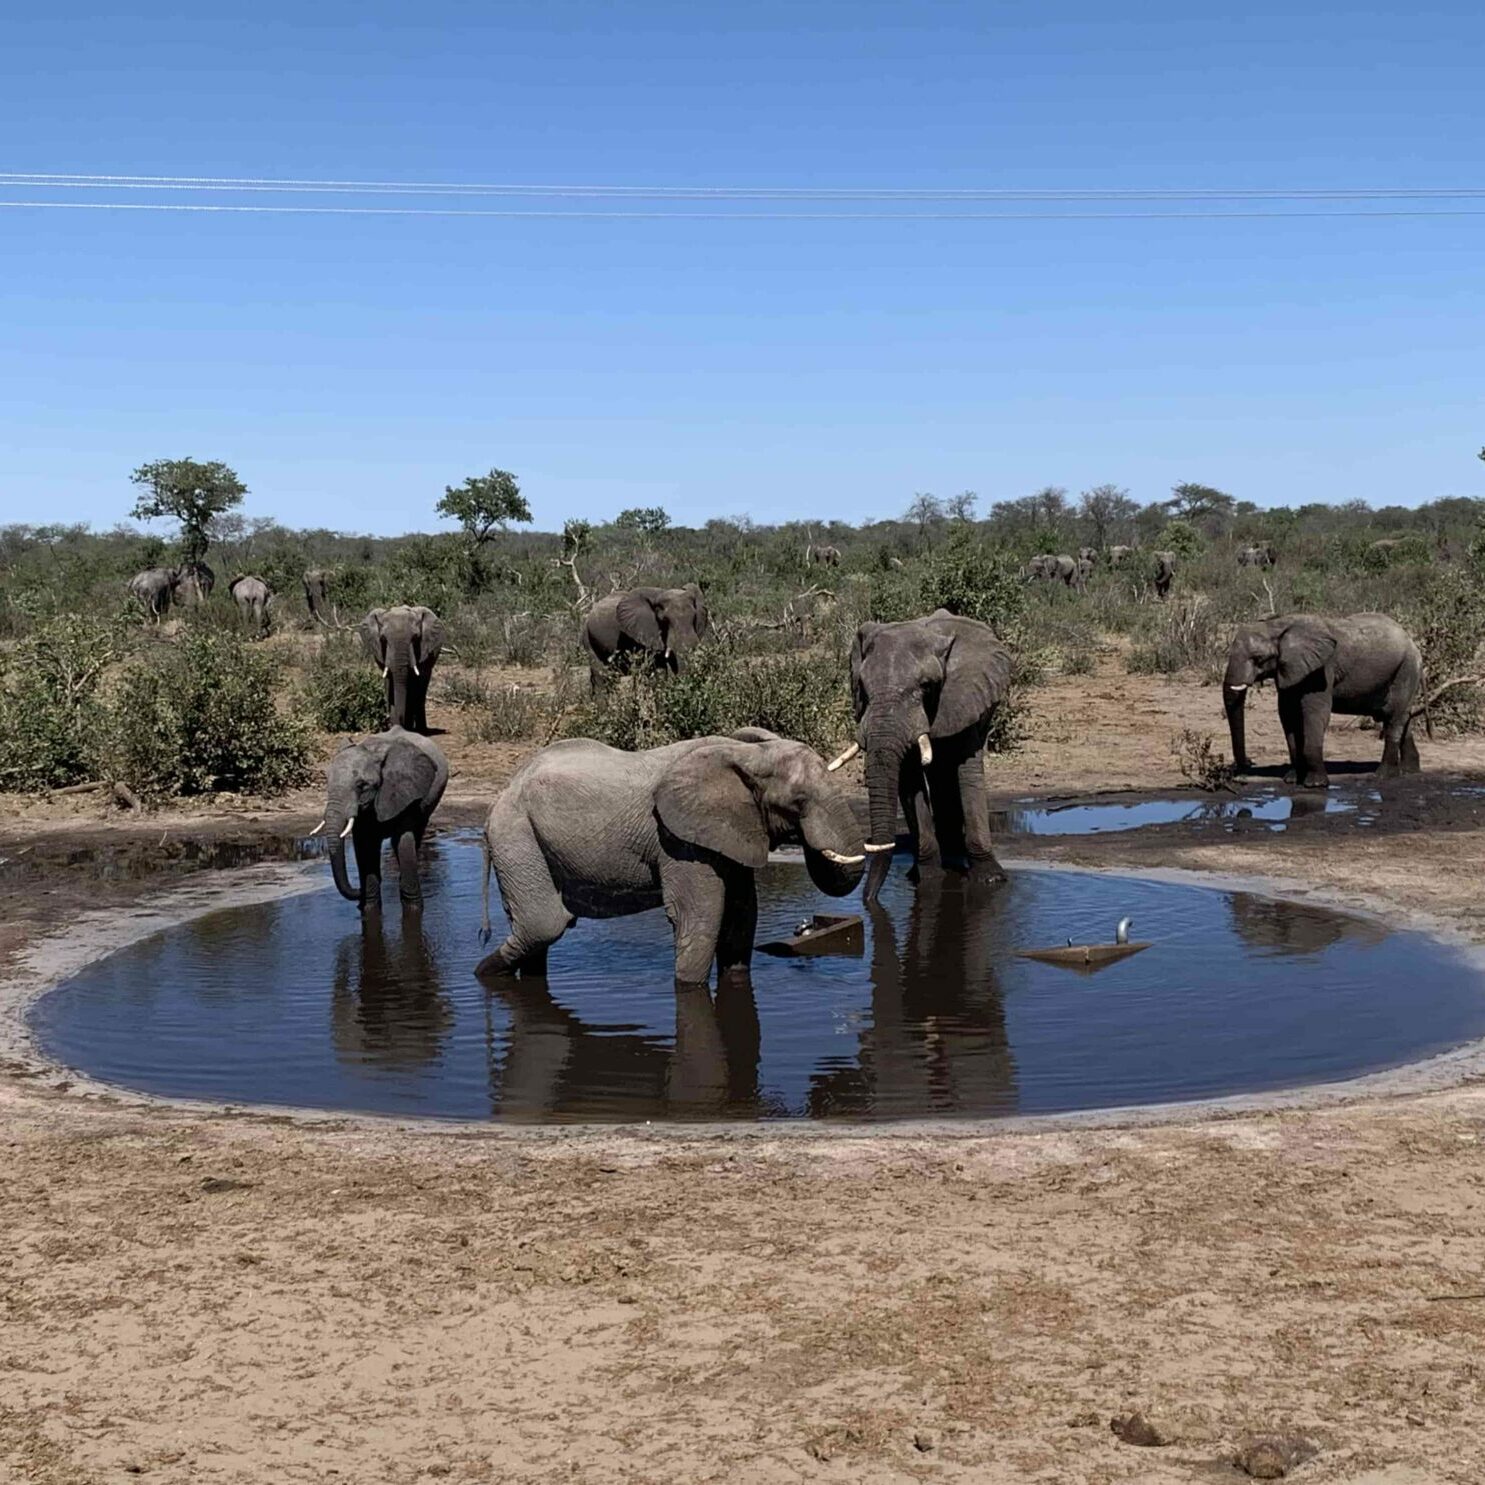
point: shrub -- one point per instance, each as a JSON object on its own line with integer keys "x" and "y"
{"x": 1187, "y": 636}
{"x": 968, "y": 578}
{"x": 1201, "y": 762}
{"x": 343, "y": 691}
{"x": 199, "y": 717}
{"x": 510, "y": 714}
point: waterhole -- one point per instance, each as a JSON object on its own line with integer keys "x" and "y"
{"x": 300, "y": 1002}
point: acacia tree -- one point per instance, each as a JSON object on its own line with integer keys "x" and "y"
{"x": 484, "y": 504}
{"x": 646, "y": 521}
{"x": 1200, "y": 503}
{"x": 925, "y": 509}
{"x": 188, "y": 491}
{"x": 1105, "y": 507}
{"x": 961, "y": 507}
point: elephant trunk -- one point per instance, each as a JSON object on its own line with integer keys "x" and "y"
{"x": 1235, "y": 683}
{"x": 340, "y": 873}
{"x": 399, "y": 666}
{"x": 834, "y": 852}
{"x": 339, "y": 812}
{"x": 886, "y": 750}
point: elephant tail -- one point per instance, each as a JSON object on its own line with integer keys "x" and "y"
{"x": 485, "y": 894}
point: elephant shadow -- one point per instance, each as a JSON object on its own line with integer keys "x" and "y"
{"x": 547, "y": 1063}
{"x": 936, "y": 1041}
{"x": 388, "y": 1007}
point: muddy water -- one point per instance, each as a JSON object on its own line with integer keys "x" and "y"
{"x": 300, "y": 1002}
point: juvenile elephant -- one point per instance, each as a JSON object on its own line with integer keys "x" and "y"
{"x": 655, "y": 625}
{"x": 252, "y": 598}
{"x": 1165, "y": 574}
{"x": 405, "y": 642}
{"x": 924, "y": 692}
{"x": 587, "y": 831}
{"x": 381, "y": 788}
{"x": 155, "y": 588}
{"x": 1364, "y": 665}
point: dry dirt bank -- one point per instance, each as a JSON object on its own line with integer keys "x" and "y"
{"x": 242, "y": 1299}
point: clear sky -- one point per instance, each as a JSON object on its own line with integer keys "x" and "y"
{"x": 350, "y": 366}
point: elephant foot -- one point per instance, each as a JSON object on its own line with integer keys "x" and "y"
{"x": 1290, "y": 777}
{"x": 1317, "y": 780}
{"x": 986, "y": 871}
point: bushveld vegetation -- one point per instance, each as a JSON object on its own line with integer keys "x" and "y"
{"x": 92, "y": 689}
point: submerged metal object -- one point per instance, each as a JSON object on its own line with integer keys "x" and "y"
{"x": 1085, "y": 957}
{"x": 825, "y": 933}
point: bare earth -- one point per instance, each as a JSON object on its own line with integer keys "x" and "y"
{"x": 242, "y": 1298}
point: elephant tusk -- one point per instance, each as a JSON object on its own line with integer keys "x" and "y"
{"x": 840, "y": 860}
{"x": 350, "y": 825}
{"x": 318, "y": 828}
{"x": 925, "y": 750}
{"x": 416, "y": 671}
{"x": 844, "y": 758}
{"x": 385, "y": 668}
{"x": 890, "y": 846}
{"x": 1238, "y": 688}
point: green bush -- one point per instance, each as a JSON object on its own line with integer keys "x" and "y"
{"x": 199, "y": 717}
{"x": 511, "y": 714}
{"x": 343, "y": 691}
{"x": 1186, "y": 636}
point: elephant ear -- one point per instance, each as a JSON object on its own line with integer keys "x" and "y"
{"x": 703, "y": 618}
{"x": 373, "y": 636}
{"x": 859, "y": 646}
{"x": 976, "y": 674}
{"x": 1304, "y": 647}
{"x": 430, "y": 635}
{"x": 707, "y": 799}
{"x": 637, "y": 621}
{"x": 407, "y": 777}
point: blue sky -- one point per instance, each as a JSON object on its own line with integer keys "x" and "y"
{"x": 350, "y": 366}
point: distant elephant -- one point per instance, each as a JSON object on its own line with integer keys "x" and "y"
{"x": 1085, "y": 571}
{"x": 824, "y": 556}
{"x": 655, "y": 626}
{"x": 924, "y": 692}
{"x": 383, "y": 787}
{"x": 155, "y": 588}
{"x": 406, "y": 643}
{"x": 1119, "y": 555}
{"x": 1258, "y": 556}
{"x": 1364, "y": 665}
{"x": 1036, "y": 567}
{"x": 317, "y": 596}
{"x": 587, "y": 831}
{"x": 194, "y": 583}
{"x": 1165, "y": 573}
{"x": 252, "y": 598}
{"x": 1062, "y": 568}
{"x": 1089, "y": 554}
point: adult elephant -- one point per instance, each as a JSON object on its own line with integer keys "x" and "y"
{"x": 381, "y": 788}
{"x": 1165, "y": 574}
{"x": 1085, "y": 571}
{"x": 194, "y": 582}
{"x": 1363, "y": 665}
{"x": 1119, "y": 555}
{"x": 587, "y": 831}
{"x": 822, "y": 556}
{"x": 405, "y": 642}
{"x": 654, "y": 626}
{"x": 155, "y": 588}
{"x": 1063, "y": 569}
{"x": 252, "y": 597}
{"x": 924, "y": 692}
{"x": 317, "y": 596}
{"x": 1258, "y": 556}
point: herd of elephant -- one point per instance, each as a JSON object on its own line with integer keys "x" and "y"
{"x": 191, "y": 583}
{"x": 584, "y": 830}
{"x": 1074, "y": 572}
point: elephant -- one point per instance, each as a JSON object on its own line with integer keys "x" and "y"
{"x": 1119, "y": 555}
{"x": 1089, "y": 554}
{"x": 252, "y": 598}
{"x": 1063, "y": 569}
{"x": 584, "y": 830}
{"x": 1036, "y": 567}
{"x": 823, "y": 556}
{"x": 924, "y": 692}
{"x": 194, "y": 583}
{"x": 384, "y": 787}
{"x": 657, "y": 626}
{"x": 1258, "y": 556}
{"x": 405, "y": 642}
{"x": 1363, "y": 665}
{"x": 156, "y": 588}
{"x": 1085, "y": 571}
{"x": 1165, "y": 574}
{"x": 317, "y": 596}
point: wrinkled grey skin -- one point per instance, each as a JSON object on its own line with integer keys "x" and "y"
{"x": 587, "y": 831}
{"x": 194, "y": 584}
{"x": 155, "y": 588}
{"x": 824, "y": 556}
{"x": 1063, "y": 569}
{"x": 1364, "y": 665}
{"x": 385, "y": 787}
{"x": 651, "y": 626}
{"x": 1119, "y": 555}
{"x": 1258, "y": 556}
{"x": 317, "y": 596}
{"x": 1165, "y": 573}
{"x": 252, "y": 598}
{"x": 943, "y": 676}
{"x": 405, "y": 643}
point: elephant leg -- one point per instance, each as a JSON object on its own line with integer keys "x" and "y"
{"x": 1314, "y": 719}
{"x": 1408, "y": 747}
{"x": 408, "y": 882}
{"x": 538, "y": 918}
{"x": 369, "y": 868}
{"x": 1293, "y": 724}
{"x": 948, "y": 810}
{"x": 695, "y": 899}
{"x": 739, "y": 924}
{"x": 980, "y": 853}
{"x": 912, "y": 789}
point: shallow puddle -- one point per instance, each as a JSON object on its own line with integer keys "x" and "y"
{"x": 299, "y": 1002}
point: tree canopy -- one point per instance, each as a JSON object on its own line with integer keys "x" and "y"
{"x": 1193, "y": 502}
{"x": 1106, "y": 508}
{"x": 188, "y": 491}
{"x": 484, "y": 504}
{"x": 647, "y": 520}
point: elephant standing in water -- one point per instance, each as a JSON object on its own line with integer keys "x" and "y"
{"x": 587, "y": 831}
{"x": 384, "y": 787}
{"x": 405, "y": 642}
{"x": 155, "y": 588}
{"x": 252, "y": 598}
{"x": 656, "y": 626}
{"x": 924, "y": 692}
{"x": 1365, "y": 665}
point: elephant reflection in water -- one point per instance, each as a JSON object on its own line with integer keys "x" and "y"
{"x": 388, "y": 1008}
{"x": 1291, "y": 928}
{"x": 553, "y": 1064}
{"x": 936, "y": 1042}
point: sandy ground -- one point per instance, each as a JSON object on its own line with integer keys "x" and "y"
{"x": 242, "y": 1298}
